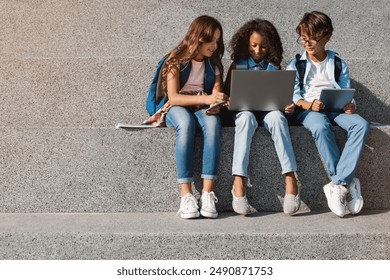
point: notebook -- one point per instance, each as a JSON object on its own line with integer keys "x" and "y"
{"x": 261, "y": 90}
{"x": 335, "y": 99}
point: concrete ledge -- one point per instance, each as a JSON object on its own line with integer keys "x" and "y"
{"x": 166, "y": 236}
{"x": 109, "y": 170}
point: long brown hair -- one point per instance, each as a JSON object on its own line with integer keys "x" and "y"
{"x": 201, "y": 30}
{"x": 240, "y": 41}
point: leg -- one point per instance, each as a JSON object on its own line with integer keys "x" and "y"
{"x": 324, "y": 138}
{"x": 184, "y": 123}
{"x": 211, "y": 128}
{"x": 276, "y": 124}
{"x": 246, "y": 125}
{"x": 357, "y": 129}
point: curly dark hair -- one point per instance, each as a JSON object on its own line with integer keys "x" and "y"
{"x": 240, "y": 41}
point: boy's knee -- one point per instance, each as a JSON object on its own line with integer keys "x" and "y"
{"x": 320, "y": 128}
{"x": 363, "y": 126}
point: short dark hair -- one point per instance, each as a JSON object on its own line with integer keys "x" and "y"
{"x": 315, "y": 24}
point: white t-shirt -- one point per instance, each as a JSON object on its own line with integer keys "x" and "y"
{"x": 317, "y": 79}
{"x": 195, "y": 81}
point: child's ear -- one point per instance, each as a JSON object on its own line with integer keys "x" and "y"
{"x": 327, "y": 38}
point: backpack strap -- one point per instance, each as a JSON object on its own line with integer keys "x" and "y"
{"x": 301, "y": 68}
{"x": 337, "y": 68}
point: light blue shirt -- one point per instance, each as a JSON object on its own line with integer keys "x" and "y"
{"x": 343, "y": 81}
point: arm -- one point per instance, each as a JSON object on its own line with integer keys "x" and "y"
{"x": 297, "y": 94}
{"x": 226, "y": 87}
{"x": 298, "y": 99}
{"x": 217, "y": 91}
{"x": 177, "y": 99}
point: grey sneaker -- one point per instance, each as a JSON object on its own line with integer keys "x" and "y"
{"x": 336, "y": 196}
{"x": 240, "y": 204}
{"x": 291, "y": 203}
{"x": 188, "y": 207}
{"x": 354, "y": 197}
{"x": 208, "y": 200}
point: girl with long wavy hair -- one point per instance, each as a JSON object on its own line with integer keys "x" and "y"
{"x": 257, "y": 46}
{"x": 192, "y": 78}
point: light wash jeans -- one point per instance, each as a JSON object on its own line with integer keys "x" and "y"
{"x": 341, "y": 166}
{"x": 185, "y": 122}
{"x": 276, "y": 123}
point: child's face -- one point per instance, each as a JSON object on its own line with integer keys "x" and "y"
{"x": 313, "y": 46}
{"x": 257, "y": 48}
{"x": 207, "y": 49}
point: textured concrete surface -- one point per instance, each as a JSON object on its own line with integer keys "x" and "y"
{"x": 150, "y": 28}
{"x": 99, "y": 92}
{"x": 166, "y": 236}
{"x": 70, "y": 70}
{"x": 116, "y": 170}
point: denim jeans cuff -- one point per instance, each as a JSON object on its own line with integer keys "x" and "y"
{"x": 210, "y": 177}
{"x": 185, "y": 180}
{"x": 289, "y": 170}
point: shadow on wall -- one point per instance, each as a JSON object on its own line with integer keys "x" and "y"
{"x": 369, "y": 106}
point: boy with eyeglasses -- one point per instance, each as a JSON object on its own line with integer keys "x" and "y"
{"x": 315, "y": 30}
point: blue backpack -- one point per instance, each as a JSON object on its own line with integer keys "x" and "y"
{"x": 157, "y": 98}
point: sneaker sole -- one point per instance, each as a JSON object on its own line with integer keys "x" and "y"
{"x": 189, "y": 215}
{"x": 327, "y": 194}
{"x": 208, "y": 214}
{"x": 359, "y": 208}
{"x": 361, "y": 202}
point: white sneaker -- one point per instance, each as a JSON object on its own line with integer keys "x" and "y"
{"x": 336, "y": 196}
{"x": 240, "y": 204}
{"x": 291, "y": 203}
{"x": 188, "y": 207}
{"x": 354, "y": 197}
{"x": 208, "y": 200}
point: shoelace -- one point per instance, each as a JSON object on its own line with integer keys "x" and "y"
{"x": 341, "y": 196}
{"x": 189, "y": 202}
{"x": 209, "y": 199}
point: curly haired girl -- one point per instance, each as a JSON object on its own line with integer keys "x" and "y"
{"x": 257, "y": 46}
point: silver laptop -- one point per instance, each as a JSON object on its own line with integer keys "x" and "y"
{"x": 335, "y": 99}
{"x": 263, "y": 90}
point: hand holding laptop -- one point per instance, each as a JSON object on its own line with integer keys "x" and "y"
{"x": 350, "y": 108}
{"x": 317, "y": 105}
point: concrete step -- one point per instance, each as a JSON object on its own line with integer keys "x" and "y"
{"x": 99, "y": 92}
{"x": 128, "y": 28}
{"x": 119, "y": 236}
{"x": 116, "y": 170}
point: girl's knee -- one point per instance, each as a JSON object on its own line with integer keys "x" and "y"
{"x": 246, "y": 118}
{"x": 275, "y": 119}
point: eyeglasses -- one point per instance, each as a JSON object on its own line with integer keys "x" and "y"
{"x": 311, "y": 42}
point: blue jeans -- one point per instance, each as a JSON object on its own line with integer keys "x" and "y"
{"x": 341, "y": 166}
{"x": 185, "y": 122}
{"x": 276, "y": 124}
